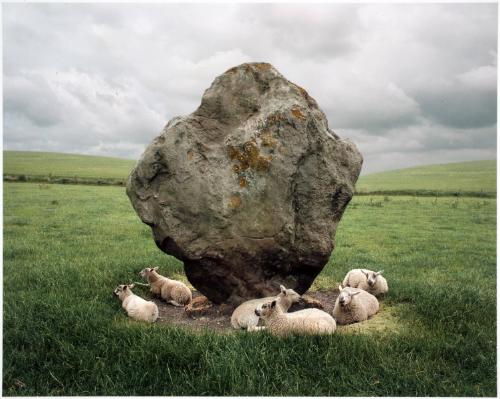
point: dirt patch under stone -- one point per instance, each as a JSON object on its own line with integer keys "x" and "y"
{"x": 202, "y": 314}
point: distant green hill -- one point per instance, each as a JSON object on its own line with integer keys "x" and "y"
{"x": 38, "y": 166}
{"x": 466, "y": 178}
{"x": 477, "y": 178}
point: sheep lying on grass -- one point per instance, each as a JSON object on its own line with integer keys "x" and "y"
{"x": 136, "y": 307}
{"x": 353, "y": 305}
{"x": 244, "y": 315}
{"x": 370, "y": 281}
{"x": 307, "y": 321}
{"x": 174, "y": 292}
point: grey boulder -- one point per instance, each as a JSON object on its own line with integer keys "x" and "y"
{"x": 247, "y": 191}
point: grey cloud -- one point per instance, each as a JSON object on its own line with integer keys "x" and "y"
{"x": 453, "y": 103}
{"x": 401, "y": 81}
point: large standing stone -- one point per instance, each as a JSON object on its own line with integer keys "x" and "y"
{"x": 248, "y": 190}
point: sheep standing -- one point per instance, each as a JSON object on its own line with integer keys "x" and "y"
{"x": 174, "y": 292}
{"x": 244, "y": 315}
{"x": 370, "y": 281}
{"x": 354, "y": 305}
{"x": 307, "y": 321}
{"x": 136, "y": 307}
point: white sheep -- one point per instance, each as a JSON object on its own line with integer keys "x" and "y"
{"x": 370, "y": 281}
{"x": 307, "y": 321}
{"x": 173, "y": 291}
{"x": 244, "y": 315}
{"x": 137, "y": 308}
{"x": 354, "y": 305}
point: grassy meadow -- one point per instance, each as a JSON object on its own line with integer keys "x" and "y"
{"x": 67, "y": 246}
{"x": 65, "y": 168}
{"x": 474, "y": 178}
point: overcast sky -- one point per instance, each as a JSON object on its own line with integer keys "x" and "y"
{"x": 409, "y": 84}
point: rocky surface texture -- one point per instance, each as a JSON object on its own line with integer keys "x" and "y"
{"x": 248, "y": 190}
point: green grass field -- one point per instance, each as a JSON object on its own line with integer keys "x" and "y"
{"x": 466, "y": 178}
{"x": 57, "y": 165}
{"x": 66, "y": 247}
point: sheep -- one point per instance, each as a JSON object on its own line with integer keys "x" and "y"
{"x": 353, "y": 305}
{"x": 244, "y": 315}
{"x": 372, "y": 282}
{"x": 137, "y": 308}
{"x": 174, "y": 292}
{"x": 307, "y": 321}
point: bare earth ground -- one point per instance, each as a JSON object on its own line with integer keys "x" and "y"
{"x": 203, "y": 314}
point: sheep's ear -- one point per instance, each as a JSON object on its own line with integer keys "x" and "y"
{"x": 340, "y": 288}
{"x": 355, "y": 293}
{"x": 283, "y": 289}
{"x": 154, "y": 269}
{"x": 273, "y": 304}
{"x": 131, "y": 286}
{"x": 365, "y": 273}
{"x": 379, "y": 273}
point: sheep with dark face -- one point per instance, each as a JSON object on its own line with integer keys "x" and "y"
{"x": 244, "y": 315}
{"x": 173, "y": 291}
{"x": 136, "y": 307}
{"x": 354, "y": 305}
{"x": 370, "y": 281}
{"x": 302, "y": 322}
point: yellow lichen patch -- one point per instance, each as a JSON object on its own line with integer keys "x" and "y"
{"x": 263, "y": 66}
{"x": 297, "y": 113}
{"x": 248, "y": 157}
{"x": 263, "y": 163}
{"x": 273, "y": 119}
{"x": 232, "y": 152}
{"x": 243, "y": 182}
{"x": 303, "y": 92}
{"x": 267, "y": 139}
{"x": 235, "y": 201}
{"x": 190, "y": 155}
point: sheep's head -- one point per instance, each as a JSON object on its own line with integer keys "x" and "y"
{"x": 371, "y": 277}
{"x": 123, "y": 290}
{"x": 265, "y": 309}
{"x": 345, "y": 296}
{"x": 289, "y": 294}
{"x": 144, "y": 273}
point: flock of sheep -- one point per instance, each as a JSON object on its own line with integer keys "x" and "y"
{"x": 356, "y": 302}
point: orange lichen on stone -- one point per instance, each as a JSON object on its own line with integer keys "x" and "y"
{"x": 235, "y": 201}
{"x": 190, "y": 155}
{"x": 243, "y": 182}
{"x": 271, "y": 120}
{"x": 267, "y": 139}
{"x": 297, "y": 113}
{"x": 263, "y": 66}
{"x": 248, "y": 157}
{"x": 232, "y": 152}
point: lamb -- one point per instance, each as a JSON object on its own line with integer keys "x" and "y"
{"x": 244, "y": 315}
{"x": 137, "y": 308}
{"x": 354, "y": 305}
{"x": 372, "y": 282}
{"x": 307, "y": 321}
{"x": 174, "y": 292}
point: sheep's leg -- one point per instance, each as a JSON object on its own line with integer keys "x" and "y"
{"x": 255, "y": 328}
{"x": 175, "y": 303}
